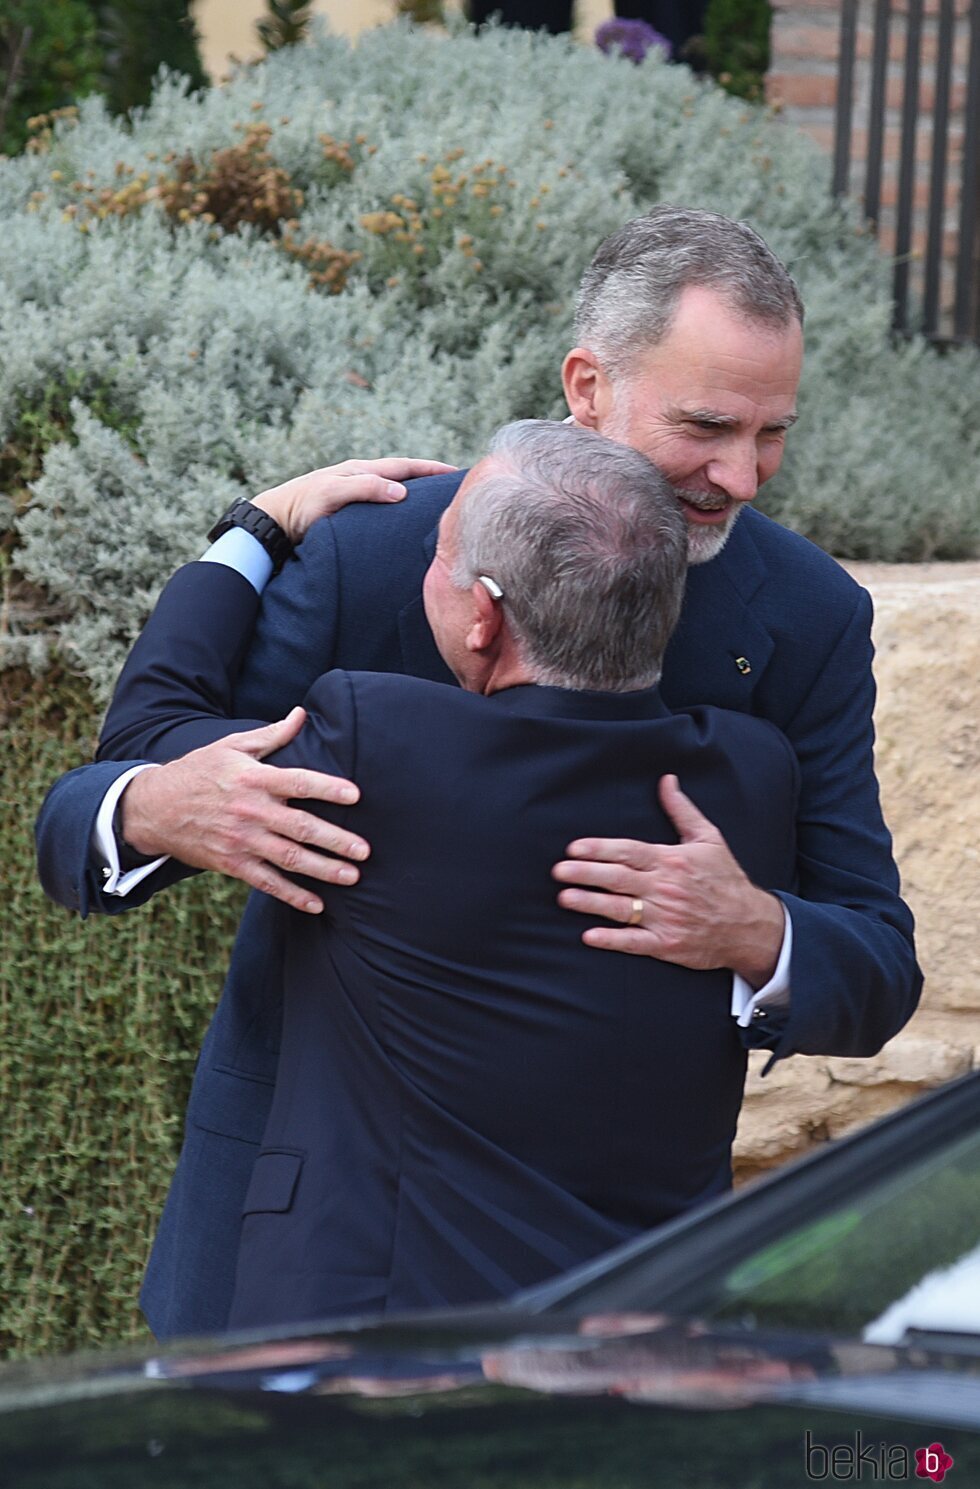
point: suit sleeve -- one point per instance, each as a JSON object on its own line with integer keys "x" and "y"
{"x": 361, "y": 562}
{"x": 177, "y": 689}
{"x": 295, "y": 643}
{"x": 175, "y": 692}
{"x": 296, "y": 634}
{"x": 853, "y": 974}
{"x": 69, "y": 872}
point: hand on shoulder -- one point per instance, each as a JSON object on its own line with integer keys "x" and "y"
{"x": 298, "y": 503}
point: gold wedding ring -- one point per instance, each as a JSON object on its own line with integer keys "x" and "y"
{"x": 636, "y": 913}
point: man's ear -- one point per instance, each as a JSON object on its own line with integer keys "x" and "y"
{"x": 487, "y": 622}
{"x": 586, "y": 387}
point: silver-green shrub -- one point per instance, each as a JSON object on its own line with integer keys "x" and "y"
{"x": 178, "y": 363}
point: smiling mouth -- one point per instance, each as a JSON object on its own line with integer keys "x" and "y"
{"x": 712, "y": 510}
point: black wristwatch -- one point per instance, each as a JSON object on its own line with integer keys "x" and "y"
{"x": 265, "y": 529}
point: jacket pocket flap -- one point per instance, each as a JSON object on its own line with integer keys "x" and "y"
{"x": 273, "y": 1182}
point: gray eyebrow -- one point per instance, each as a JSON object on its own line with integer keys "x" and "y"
{"x": 725, "y": 421}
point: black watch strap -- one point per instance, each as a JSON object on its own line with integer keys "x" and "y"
{"x": 265, "y": 529}
{"x": 129, "y": 859}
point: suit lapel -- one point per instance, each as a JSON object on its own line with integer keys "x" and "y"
{"x": 720, "y": 650}
{"x": 420, "y": 655}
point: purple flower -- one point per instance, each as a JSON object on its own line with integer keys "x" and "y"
{"x": 633, "y": 38}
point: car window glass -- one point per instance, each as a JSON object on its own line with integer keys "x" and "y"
{"x": 909, "y": 1238}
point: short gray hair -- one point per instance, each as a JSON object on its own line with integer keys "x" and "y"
{"x": 588, "y": 543}
{"x": 630, "y": 291}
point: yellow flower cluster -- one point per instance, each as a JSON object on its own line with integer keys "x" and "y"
{"x": 341, "y": 153}
{"x": 41, "y": 128}
{"x": 101, "y": 202}
{"x": 241, "y": 183}
{"x": 328, "y": 266}
{"x": 451, "y": 209}
{"x": 382, "y": 222}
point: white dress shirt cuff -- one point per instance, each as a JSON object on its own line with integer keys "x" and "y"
{"x": 238, "y": 550}
{"x": 746, "y": 1002}
{"x": 104, "y": 840}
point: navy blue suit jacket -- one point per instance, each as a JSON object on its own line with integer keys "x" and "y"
{"x": 771, "y": 627}
{"x": 468, "y": 1099}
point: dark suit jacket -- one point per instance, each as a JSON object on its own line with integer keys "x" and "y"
{"x": 771, "y": 627}
{"x": 468, "y": 1099}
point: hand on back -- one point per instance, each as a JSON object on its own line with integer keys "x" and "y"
{"x": 220, "y": 808}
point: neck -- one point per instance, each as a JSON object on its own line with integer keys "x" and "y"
{"x": 500, "y": 666}
{"x": 500, "y": 674}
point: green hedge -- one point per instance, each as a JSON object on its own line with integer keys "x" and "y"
{"x": 100, "y": 1022}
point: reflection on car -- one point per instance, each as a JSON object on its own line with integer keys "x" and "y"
{"x": 821, "y": 1325}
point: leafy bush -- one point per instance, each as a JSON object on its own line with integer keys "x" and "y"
{"x": 49, "y": 56}
{"x": 357, "y": 250}
{"x": 140, "y": 36}
{"x": 735, "y": 44}
{"x": 286, "y": 23}
{"x": 53, "y": 52}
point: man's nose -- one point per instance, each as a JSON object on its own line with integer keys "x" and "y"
{"x": 737, "y": 473}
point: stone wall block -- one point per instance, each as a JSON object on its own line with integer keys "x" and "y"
{"x": 927, "y": 665}
{"x": 908, "y": 1060}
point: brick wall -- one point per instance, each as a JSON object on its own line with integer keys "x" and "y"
{"x": 803, "y": 82}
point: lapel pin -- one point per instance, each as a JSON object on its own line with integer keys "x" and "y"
{"x": 743, "y": 665}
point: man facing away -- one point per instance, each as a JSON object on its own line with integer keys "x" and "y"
{"x": 688, "y": 348}
{"x": 469, "y": 1099}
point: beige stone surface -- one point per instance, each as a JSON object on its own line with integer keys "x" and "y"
{"x": 927, "y": 635}
{"x": 928, "y": 752}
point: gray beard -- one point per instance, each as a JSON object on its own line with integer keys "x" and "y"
{"x": 705, "y": 543}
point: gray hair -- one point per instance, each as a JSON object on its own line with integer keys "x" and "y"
{"x": 630, "y": 291}
{"x": 588, "y": 543}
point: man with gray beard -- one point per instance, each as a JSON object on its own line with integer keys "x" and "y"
{"x": 689, "y": 346}
{"x": 467, "y": 1102}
